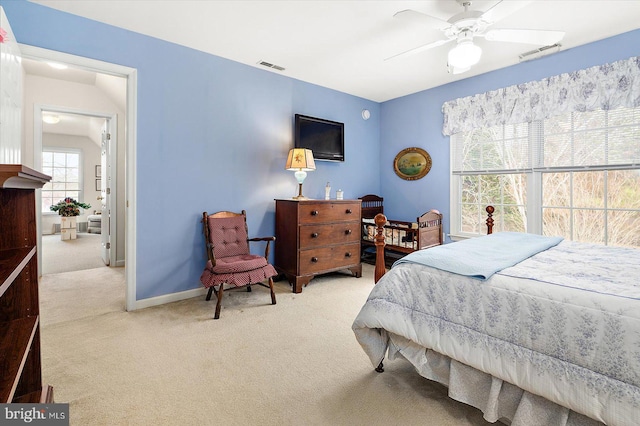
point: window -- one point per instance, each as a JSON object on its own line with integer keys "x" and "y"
{"x": 65, "y": 168}
{"x": 576, "y": 175}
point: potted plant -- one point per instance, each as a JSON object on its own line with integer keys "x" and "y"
{"x": 68, "y": 209}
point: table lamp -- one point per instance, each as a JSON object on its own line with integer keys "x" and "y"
{"x": 301, "y": 161}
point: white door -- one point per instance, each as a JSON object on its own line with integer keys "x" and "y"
{"x": 105, "y": 194}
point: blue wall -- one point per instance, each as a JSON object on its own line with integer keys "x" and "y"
{"x": 416, "y": 120}
{"x": 213, "y": 135}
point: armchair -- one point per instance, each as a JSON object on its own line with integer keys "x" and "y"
{"x": 228, "y": 258}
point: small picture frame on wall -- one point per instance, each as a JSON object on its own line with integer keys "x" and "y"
{"x": 98, "y": 184}
{"x": 412, "y": 163}
{"x": 98, "y": 171}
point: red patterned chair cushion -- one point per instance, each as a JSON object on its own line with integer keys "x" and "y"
{"x": 234, "y": 264}
{"x": 210, "y": 278}
{"x": 228, "y": 236}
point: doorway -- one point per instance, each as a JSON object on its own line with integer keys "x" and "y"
{"x": 78, "y": 150}
{"x": 122, "y": 219}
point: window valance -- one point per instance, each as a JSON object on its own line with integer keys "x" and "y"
{"x": 605, "y": 87}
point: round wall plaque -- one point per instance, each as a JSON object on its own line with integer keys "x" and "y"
{"x": 412, "y": 163}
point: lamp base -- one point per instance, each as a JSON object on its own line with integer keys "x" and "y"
{"x": 301, "y": 197}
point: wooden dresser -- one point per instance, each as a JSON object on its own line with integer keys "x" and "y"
{"x": 20, "y": 369}
{"x": 315, "y": 237}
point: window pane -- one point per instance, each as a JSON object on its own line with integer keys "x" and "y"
{"x": 59, "y": 159}
{"x": 73, "y": 160}
{"x": 624, "y": 116}
{"x": 589, "y": 120}
{"x": 623, "y": 228}
{"x": 623, "y": 189}
{"x": 589, "y": 149}
{"x": 72, "y": 175}
{"x": 588, "y": 226}
{"x": 556, "y": 222}
{"x": 490, "y": 189}
{"x": 59, "y": 174}
{"x": 58, "y": 195}
{"x": 46, "y": 203}
{"x": 514, "y": 188}
{"x": 557, "y": 150}
{"x": 557, "y": 124}
{"x": 470, "y": 189}
{"x": 470, "y": 219}
{"x": 47, "y": 158}
{"x": 514, "y": 219}
{"x": 588, "y": 189}
{"x": 556, "y": 189}
{"x": 624, "y": 145}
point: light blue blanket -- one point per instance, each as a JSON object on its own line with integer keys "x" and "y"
{"x": 481, "y": 257}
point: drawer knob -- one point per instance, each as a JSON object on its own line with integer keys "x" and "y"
{"x": 314, "y": 235}
{"x": 349, "y": 211}
{"x": 314, "y": 259}
{"x": 347, "y": 254}
{"x": 315, "y": 213}
{"x": 347, "y": 232}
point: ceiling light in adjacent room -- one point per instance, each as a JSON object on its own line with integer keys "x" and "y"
{"x": 464, "y": 55}
{"x": 50, "y": 118}
{"x": 57, "y": 65}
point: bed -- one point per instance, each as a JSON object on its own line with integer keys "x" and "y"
{"x": 552, "y": 340}
{"x": 401, "y": 237}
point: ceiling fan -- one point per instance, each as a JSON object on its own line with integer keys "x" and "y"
{"x": 465, "y": 26}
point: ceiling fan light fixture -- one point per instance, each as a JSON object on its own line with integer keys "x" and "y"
{"x": 50, "y": 118}
{"x": 455, "y": 70}
{"x": 464, "y": 55}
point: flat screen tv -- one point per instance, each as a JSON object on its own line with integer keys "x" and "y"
{"x": 324, "y": 137}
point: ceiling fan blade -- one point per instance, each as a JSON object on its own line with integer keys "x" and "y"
{"x": 414, "y": 15}
{"x": 420, "y": 48}
{"x": 537, "y": 37}
{"x": 503, "y": 8}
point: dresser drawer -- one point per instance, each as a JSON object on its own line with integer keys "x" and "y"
{"x": 323, "y": 235}
{"x": 328, "y": 212}
{"x": 328, "y": 258}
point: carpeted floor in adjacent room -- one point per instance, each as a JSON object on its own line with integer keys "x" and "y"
{"x": 295, "y": 363}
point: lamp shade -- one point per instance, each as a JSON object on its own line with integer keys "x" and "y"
{"x": 300, "y": 159}
{"x": 464, "y": 54}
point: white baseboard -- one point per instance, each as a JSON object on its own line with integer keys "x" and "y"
{"x": 119, "y": 263}
{"x": 168, "y": 298}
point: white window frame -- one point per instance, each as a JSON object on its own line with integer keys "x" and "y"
{"x": 67, "y": 150}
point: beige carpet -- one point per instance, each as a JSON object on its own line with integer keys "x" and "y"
{"x": 295, "y": 363}
{"x": 85, "y": 252}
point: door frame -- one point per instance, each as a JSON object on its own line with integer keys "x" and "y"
{"x": 111, "y": 120}
{"x": 131, "y": 75}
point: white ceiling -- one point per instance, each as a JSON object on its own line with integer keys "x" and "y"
{"x": 343, "y": 44}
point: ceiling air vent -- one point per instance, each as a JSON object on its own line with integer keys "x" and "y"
{"x": 270, "y": 65}
{"x": 540, "y": 52}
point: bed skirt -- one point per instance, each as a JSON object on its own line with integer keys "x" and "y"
{"x": 497, "y": 399}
